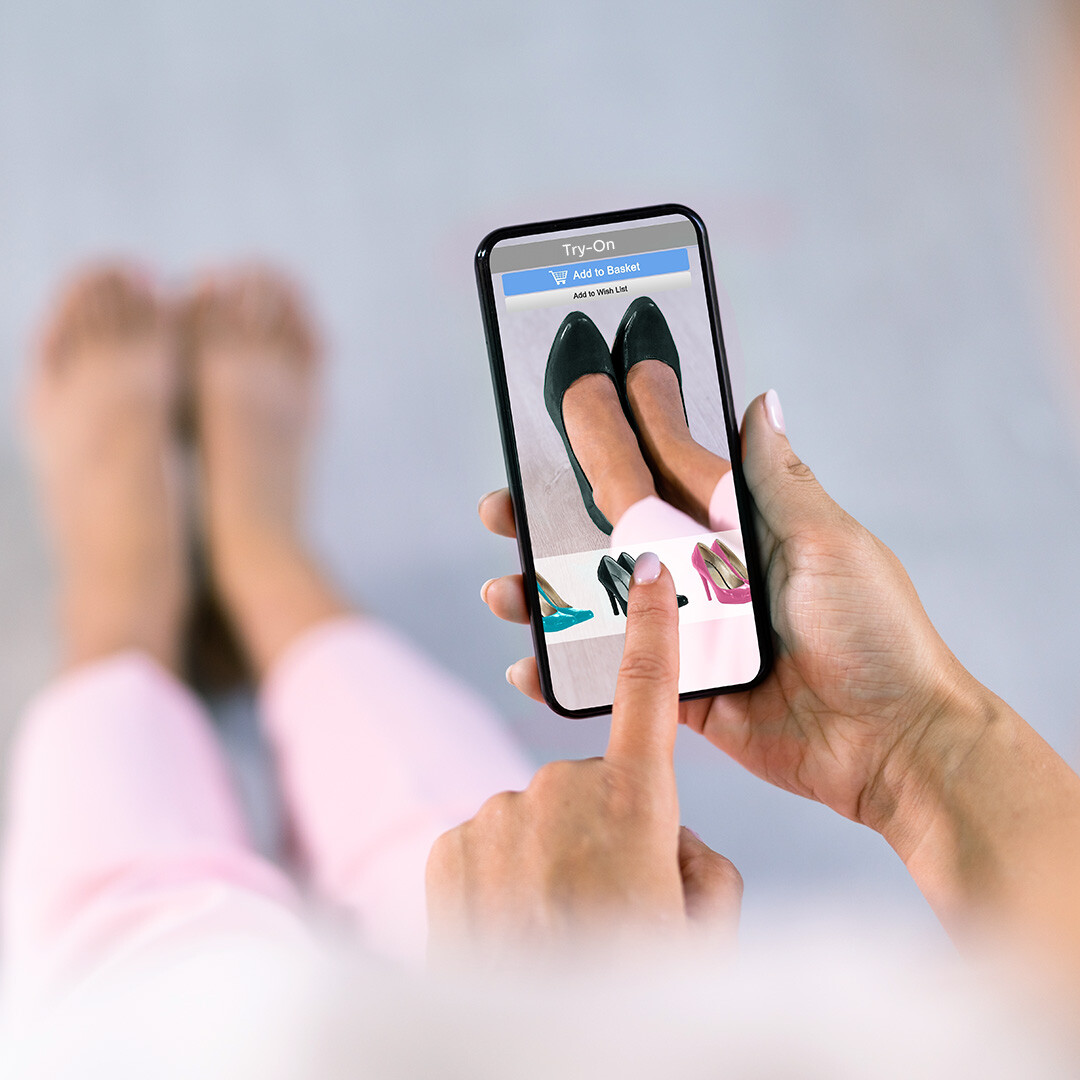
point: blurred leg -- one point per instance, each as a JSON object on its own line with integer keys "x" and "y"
{"x": 378, "y": 750}
{"x": 123, "y": 830}
{"x": 103, "y": 389}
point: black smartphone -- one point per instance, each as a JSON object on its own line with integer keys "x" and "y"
{"x": 617, "y": 424}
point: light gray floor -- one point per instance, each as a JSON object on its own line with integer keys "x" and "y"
{"x": 862, "y": 168}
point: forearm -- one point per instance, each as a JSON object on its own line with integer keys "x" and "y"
{"x": 987, "y": 820}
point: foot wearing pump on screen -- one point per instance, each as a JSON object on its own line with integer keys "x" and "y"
{"x": 255, "y": 357}
{"x": 101, "y": 409}
{"x": 625, "y": 420}
{"x": 617, "y": 462}
{"x": 605, "y": 446}
{"x": 686, "y": 473}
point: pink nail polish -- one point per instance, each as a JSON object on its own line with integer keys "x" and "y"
{"x": 774, "y": 413}
{"x": 646, "y": 569}
{"x": 484, "y": 588}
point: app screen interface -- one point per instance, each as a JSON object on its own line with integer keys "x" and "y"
{"x": 621, "y": 440}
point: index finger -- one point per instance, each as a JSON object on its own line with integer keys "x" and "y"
{"x": 645, "y": 716}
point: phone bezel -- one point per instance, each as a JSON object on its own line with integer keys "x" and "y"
{"x": 489, "y": 310}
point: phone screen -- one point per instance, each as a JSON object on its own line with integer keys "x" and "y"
{"x": 617, "y": 426}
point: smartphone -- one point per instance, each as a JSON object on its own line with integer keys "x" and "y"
{"x": 620, "y": 437}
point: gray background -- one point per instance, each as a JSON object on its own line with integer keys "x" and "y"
{"x": 863, "y": 169}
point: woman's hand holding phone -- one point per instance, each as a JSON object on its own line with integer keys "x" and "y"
{"x": 860, "y": 672}
{"x": 592, "y": 853}
{"x": 866, "y": 709}
{"x": 868, "y": 712}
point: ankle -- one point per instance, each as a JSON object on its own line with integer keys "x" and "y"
{"x": 618, "y": 489}
{"x": 245, "y": 556}
{"x": 274, "y": 591}
{"x": 102, "y": 620}
{"x": 666, "y": 447}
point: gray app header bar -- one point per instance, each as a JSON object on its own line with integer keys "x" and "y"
{"x": 569, "y": 249}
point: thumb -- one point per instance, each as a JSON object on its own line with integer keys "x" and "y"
{"x": 786, "y": 493}
{"x": 712, "y": 887}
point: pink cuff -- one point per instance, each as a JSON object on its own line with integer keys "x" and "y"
{"x": 652, "y": 519}
{"x": 723, "y": 509}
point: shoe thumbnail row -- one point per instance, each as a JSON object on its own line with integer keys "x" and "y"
{"x": 722, "y": 574}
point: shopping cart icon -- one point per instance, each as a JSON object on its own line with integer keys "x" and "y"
{"x": 559, "y": 276}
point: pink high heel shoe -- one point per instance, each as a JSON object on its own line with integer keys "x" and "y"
{"x": 722, "y": 573}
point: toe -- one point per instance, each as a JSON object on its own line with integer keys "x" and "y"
{"x": 104, "y": 303}
{"x": 204, "y": 311}
{"x": 253, "y": 305}
{"x": 115, "y": 295}
{"x": 275, "y": 304}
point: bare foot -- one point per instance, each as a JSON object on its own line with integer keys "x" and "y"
{"x": 255, "y": 361}
{"x": 687, "y": 472}
{"x": 605, "y": 446}
{"x": 103, "y": 396}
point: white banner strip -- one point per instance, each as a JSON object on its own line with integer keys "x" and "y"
{"x": 575, "y": 296}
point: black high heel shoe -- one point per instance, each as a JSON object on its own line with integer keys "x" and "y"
{"x": 627, "y": 563}
{"x": 643, "y": 334}
{"x": 578, "y": 349}
{"x": 616, "y": 580}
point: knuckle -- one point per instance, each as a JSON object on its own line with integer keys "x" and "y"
{"x": 651, "y": 608}
{"x": 799, "y": 471}
{"x": 646, "y": 667}
{"x": 555, "y": 774}
{"x": 493, "y": 808}
{"x": 719, "y": 871}
{"x": 446, "y": 852}
{"x": 728, "y": 875}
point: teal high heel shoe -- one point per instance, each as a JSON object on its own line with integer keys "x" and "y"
{"x": 557, "y": 613}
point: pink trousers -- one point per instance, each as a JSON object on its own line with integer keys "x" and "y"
{"x": 124, "y": 830}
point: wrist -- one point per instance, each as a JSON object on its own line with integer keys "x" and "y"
{"x": 935, "y": 796}
{"x": 985, "y": 817}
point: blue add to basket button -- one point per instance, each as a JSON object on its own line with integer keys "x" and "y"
{"x": 574, "y": 275}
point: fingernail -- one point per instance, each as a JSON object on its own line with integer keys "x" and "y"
{"x": 483, "y": 499}
{"x": 774, "y": 413}
{"x": 646, "y": 569}
{"x": 693, "y": 834}
{"x": 508, "y": 675}
{"x": 484, "y": 588}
